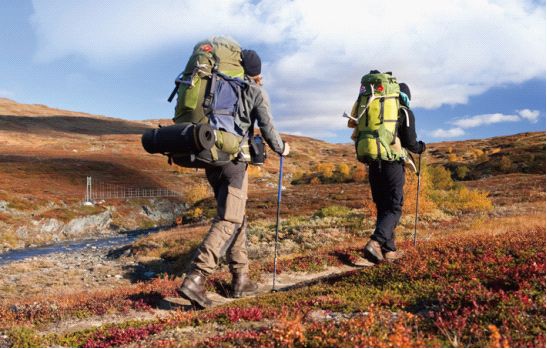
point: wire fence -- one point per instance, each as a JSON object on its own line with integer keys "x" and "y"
{"x": 98, "y": 190}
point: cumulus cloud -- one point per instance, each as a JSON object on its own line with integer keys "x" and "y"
{"x": 485, "y": 119}
{"x": 106, "y": 32}
{"x": 450, "y": 133}
{"x": 316, "y": 51}
{"x": 530, "y": 115}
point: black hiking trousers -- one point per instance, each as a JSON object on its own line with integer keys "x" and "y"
{"x": 387, "y": 179}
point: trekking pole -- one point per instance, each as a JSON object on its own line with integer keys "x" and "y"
{"x": 279, "y": 188}
{"x": 417, "y": 196}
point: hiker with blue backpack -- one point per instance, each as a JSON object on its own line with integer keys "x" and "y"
{"x": 219, "y": 100}
{"x": 384, "y": 132}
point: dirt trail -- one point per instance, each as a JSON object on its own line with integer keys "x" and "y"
{"x": 284, "y": 282}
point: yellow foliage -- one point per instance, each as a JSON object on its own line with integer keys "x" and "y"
{"x": 463, "y": 200}
{"x": 9, "y": 238}
{"x": 254, "y": 171}
{"x": 297, "y": 175}
{"x": 477, "y": 152}
{"x": 325, "y": 169}
{"x": 425, "y": 204}
{"x": 462, "y": 172}
{"x": 453, "y": 157}
{"x": 440, "y": 178}
{"x": 194, "y": 213}
{"x": 494, "y": 150}
{"x": 315, "y": 181}
{"x": 358, "y": 174}
{"x": 197, "y": 193}
{"x": 343, "y": 169}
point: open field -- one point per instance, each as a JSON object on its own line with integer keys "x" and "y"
{"x": 476, "y": 278}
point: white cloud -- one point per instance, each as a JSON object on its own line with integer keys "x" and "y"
{"x": 446, "y": 51}
{"x": 530, "y": 115}
{"x": 486, "y": 119}
{"x": 116, "y": 31}
{"x": 450, "y": 133}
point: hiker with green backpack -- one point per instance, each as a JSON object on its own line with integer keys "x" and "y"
{"x": 384, "y": 133}
{"x": 220, "y": 99}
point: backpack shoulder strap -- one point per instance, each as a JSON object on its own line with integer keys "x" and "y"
{"x": 405, "y": 111}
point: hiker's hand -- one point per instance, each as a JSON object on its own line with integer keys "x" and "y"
{"x": 422, "y": 147}
{"x": 286, "y": 149}
{"x": 352, "y": 123}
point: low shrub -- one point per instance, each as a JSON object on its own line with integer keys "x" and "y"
{"x": 326, "y": 173}
{"x": 462, "y": 172}
{"x": 197, "y": 192}
{"x": 333, "y": 211}
{"x": 462, "y": 200}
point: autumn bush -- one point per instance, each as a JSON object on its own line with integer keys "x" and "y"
{"x": 255, "y": 171}
{"x": 462, "y": 172}
{"x": 452, "y": 197}
{"x": 441, "y": 178}
{"x": 197, "y": 192}
{"x": 358, "y": 173}
{"x": 326, "y": 173}
{"x": 462, "y": 200}
{"x": 505, "y": 164}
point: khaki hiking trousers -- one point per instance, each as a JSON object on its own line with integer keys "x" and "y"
{"x": 228, "y": 233}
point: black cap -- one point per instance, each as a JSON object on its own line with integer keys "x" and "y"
{"x": 251, "y": 62}
{"x": 404, "y": 88}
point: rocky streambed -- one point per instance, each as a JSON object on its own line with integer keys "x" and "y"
{"x": 85, "y": 265}
{"x": 34, "y": 229}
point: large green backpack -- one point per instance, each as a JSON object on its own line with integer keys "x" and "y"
{"x": 377, "y": 115}
{"x": 215, "y": 65}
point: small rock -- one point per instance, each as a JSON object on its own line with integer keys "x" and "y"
{"x": 118, "y": 276}
{"x": 15, "y": 308}
{"x": 317, "y": 315}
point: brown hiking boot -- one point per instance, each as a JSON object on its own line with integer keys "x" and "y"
{"x": 243, "y": 286}
{"x": 373, "y": 251}
{"x": 193, "y": 289}
{"x": 392, "y": 256}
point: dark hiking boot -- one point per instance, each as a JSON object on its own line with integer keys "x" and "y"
{"x": 373, "y": 251}
{"x": 392, "y": 256}
{"x": 193, "y": 289}
{"x": 243, "y": 286}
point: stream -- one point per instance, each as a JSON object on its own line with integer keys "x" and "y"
{"x": 75, "y": 246}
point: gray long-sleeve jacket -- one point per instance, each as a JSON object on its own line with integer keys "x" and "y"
{"x": 255, "y": 107}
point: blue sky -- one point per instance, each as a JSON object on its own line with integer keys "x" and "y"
{"x": 476, "y": 68}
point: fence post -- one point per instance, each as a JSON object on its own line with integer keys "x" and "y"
{"x": 88, "y": 191}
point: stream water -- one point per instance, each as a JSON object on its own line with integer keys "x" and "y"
{"x": 75, "y": 246}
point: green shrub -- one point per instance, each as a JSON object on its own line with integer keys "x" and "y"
{"x": 462, "y": 172}
{"x": 441, "y": 178}
{"x": 333, "y": 211}
{"x": 505, "y": 164}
